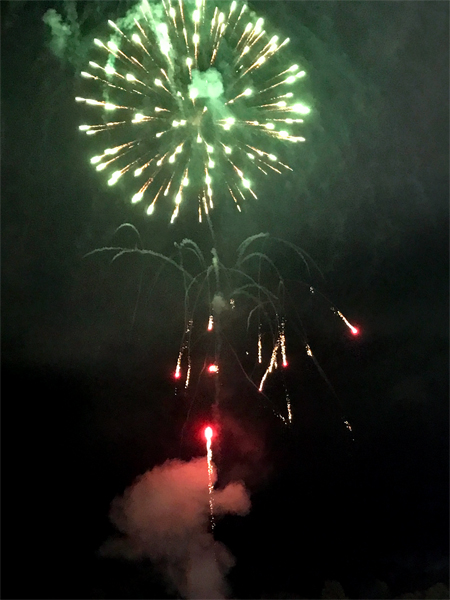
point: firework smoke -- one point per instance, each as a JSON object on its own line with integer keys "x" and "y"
{"x": 64, "y": 31}
{"x": 164, "y": 516}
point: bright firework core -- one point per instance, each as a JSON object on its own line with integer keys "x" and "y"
{"x": 208, "y": 433}
{"x": 193, "y": 97}
{"x": 213, "y": 369}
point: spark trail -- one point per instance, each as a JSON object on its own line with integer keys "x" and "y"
{"x": 208, "y": 435}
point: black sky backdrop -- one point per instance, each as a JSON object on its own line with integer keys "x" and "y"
{"x": 88, "y": 399}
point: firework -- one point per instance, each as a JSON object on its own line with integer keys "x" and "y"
{"x": 353, "y": 329}
{"x": 234, "y": 284}
{"x": 215, "y": 294}
{"x": 195, "y": 99}
{"x": 208, "y": 436}
{"x": 240, "y": 285}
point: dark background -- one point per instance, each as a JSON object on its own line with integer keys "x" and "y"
{"x": 88, "y": 398}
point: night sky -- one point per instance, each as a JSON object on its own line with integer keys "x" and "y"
{"x": 89, "y": 347}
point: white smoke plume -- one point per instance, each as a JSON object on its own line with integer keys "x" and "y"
{"x": 164, "y": 516}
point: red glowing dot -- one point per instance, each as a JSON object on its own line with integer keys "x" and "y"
{"x": 354, "y": 330}
{"x": 285, "y": 363}
{"x": 177, "y": 375}
{"x": 208, "y": 433}
{"x": 213, "y": 368}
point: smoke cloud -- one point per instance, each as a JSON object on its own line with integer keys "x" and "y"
{"x": 64, "y": 31}
{"x": 60, "y": 32}
{"x": 164, "y": 516}
{"x": 219, "y": 303}
{"x": 208, "y": 83}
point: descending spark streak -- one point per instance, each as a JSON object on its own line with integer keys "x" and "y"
{"x": 272, "y": 365}
{"x": 259, "y": 346}
{"x": 354, "y": 330}
{"x": 188, "y": 374}
{"x": 168, "y": 82}
{"x": 184, "y": 348}
{"x": 283, "y": 345}
{"x": 178, "y": 368}
{"x": 280, "y": 346}
{"x": 208, "y": 436}
{"x": 288, "y": 405}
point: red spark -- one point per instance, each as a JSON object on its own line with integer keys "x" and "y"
{"x": 213, "y": 368}
{"x": 208, "y": 432}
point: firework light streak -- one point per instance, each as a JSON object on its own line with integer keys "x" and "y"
{"x": 259, "y": 346}
{"x": 288, "y": 404}
{"x": 272, "y": 365}
{"x": 208, "y": 436}
{"x": 199, "y": 98}
{"x": 354, "y": 330}
{"x": 185, "y": 349}
{"x": 245, "y": 286}
{"x": 213, "y": 291}
{"x": 283, "y": 344}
